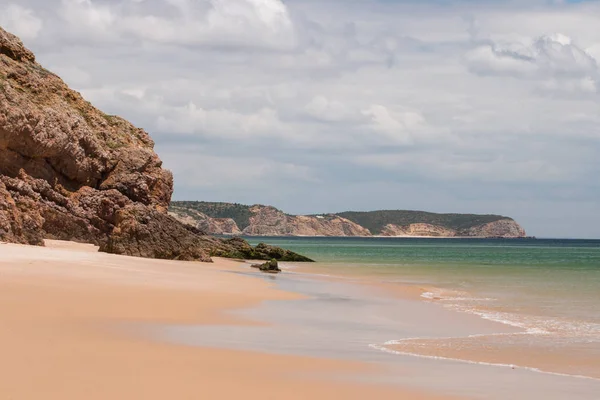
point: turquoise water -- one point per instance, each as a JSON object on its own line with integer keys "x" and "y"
{"x": 548, "y": 286}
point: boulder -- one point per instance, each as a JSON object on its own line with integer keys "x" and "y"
{"x": 270, "y": 267}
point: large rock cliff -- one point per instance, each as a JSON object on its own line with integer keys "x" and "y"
{"x": 269, "y": 221}
{"x": 506, "y": 228}
{"x": 212, "y": 226}
{"x": 419, "y": 229}
{"x": 68, "y": 171}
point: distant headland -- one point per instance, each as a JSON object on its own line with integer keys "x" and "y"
{"x": 261, "y": 220}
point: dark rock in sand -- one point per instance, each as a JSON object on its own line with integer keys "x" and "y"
{"x": 271, "y": 267}
{"x": 239, "y": 248}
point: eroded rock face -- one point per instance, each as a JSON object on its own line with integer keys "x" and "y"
{"x": 67, "y": 167}
{"x": 329, "y": 225}
{"x": 505, "y": 228}
{"x": 53, "y": 134}
{"x": 16, "y": 226}
{"x": 212, "y": 226}
{"x": 70, "y": 172}
{"x": 417, "y": 230}
{"x": 269, "y": 221}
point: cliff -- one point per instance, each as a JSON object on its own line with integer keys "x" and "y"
{"x": 269, "y": 221}
{"x": 237, "y": 219}
{"x": 68, "y": 171}
{"x": 213, "y": 226}
{"x": 261, "y": 220}
{"x": 419, "y": 229}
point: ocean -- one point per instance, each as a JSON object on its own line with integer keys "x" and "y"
{"x": 546, "y": 290}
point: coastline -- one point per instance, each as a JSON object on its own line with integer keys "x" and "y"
{"x": 476, "y": 347}
{"x": 352, "y": 318}
{"x": 377, "y": 237}
{"x": 68, "y": 311}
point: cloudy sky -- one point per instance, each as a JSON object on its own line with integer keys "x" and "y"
{"x": 332, "y": 105}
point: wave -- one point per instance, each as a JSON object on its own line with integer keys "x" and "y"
{"x": 385, "y": 349}
{"x": 563, "y": 328}
{"x": 542, "y": 331}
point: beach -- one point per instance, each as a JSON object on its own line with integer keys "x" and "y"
{"x": 77, "y": 323}
{"x": 70, "y": 330}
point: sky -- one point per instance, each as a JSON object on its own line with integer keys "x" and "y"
{"x": 325, "y": 106}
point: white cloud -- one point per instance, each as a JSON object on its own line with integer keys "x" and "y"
{"x": 244, "y": 172}
{"x": 400, "y": 127}
{"x": 554, "y": 59}
{"x": 489, "y": 59}
{"x": 192, "y": 119}
{"x": 255, "y": 23}
{"x": 87, "y": 15}
{"x": 594, "y": 51}
{"x": 324, "y": 109}
{"x": 571, "y": 86}
{"x": 21, "y": 21}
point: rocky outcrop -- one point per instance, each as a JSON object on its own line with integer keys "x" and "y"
{"x": 212, "y": 226}
{"x": 239, "y": 248}
{"x": 70, "y": 172}
{"x": 505, "y": 228}
{"x": 269, "y": 221}
{"x": 270, "y": 267}
{"x": 417, "y": 230}
{"x": 327, "y": 225}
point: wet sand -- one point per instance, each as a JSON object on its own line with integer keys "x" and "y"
{"x": 353, "y": 320}
{"x": 69, "y": 330}
{"x": 516, "y": 351}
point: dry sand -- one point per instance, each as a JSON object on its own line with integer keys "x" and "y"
{"x": 63, "y": 313}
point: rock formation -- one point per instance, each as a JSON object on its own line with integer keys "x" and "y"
{"x": 212, "y": 226}
{"x": 269, "y": 221}
{"x": 258, "y": 220}
{"x": 270, "y": 267}
{"x": 70, "y": 172}
{"x": 417, "y": 230}
{"x": 506, "y": 228}
{"x": 239, "y": 248}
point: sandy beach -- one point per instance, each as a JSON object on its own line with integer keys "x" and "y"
{"x": 66, "y": 333}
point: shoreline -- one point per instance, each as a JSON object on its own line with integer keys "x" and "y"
{"x": 347, "y": 319}
{"x": 456, "y": 348}
{"x": 62, "y": 307}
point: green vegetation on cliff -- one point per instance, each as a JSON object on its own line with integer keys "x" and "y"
{"x": 375, "y": 221}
